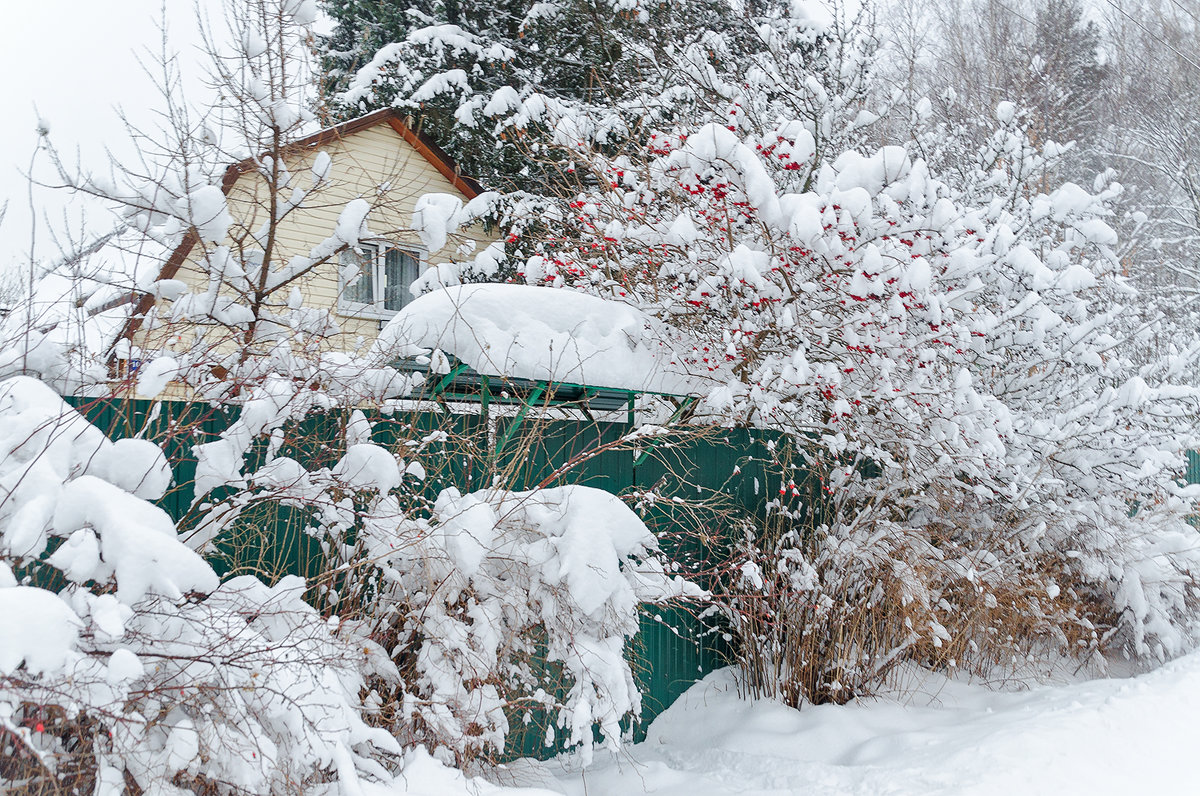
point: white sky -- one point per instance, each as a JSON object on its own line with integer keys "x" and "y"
{"x": 74, "y": 60}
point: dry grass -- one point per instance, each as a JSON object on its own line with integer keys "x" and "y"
{"x": 825, "y": 603}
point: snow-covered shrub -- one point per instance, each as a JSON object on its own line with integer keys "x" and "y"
{"x": 823, "y": 614}
{"x": 453, "y": 616}
{"x": 954, "y": 350}
{"x": 470, "y": 595}
{"x": 125, "y": 663}
{"x": 479, "y": 601}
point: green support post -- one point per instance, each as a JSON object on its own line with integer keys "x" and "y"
{"x": 652, "y": 444}
{"x": 516, "y": 421}
{"x": 449, "y": 378}
{"x": 484, "y": 395}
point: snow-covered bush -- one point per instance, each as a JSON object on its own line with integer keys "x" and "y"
{"x": 506, "y": 604}
{"x": 124, "y": 660}
{"x": 470, "y": 595}
{"x": 125, "y": 663}
{"x": 953, "y": 350}
{"x": 473, "y": 596}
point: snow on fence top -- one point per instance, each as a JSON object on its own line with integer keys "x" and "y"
{"x": 547, "y": 334}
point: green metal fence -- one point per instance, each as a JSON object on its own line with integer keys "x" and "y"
{"x": 673, "y": 650}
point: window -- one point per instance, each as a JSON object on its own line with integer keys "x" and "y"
{"x": 374, "y": 279}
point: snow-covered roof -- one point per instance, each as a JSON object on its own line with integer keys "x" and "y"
{"x": 545, "y": 334}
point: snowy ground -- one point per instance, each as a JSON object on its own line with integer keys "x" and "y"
{"x": 1126, "y": 736}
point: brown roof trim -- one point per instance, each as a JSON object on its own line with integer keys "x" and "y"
{"x": 391, "y": 116}
{"x": 398, "y": 121}
{"x": 434, "y": 154}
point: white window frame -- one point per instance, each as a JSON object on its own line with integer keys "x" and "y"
{"x": 379, "y": 248}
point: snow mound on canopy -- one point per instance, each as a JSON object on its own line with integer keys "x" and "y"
{"x": 541, "y": 333}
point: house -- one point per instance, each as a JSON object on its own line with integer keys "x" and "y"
{"x": 126, "y": 315}
{"x": 374, "y": 165}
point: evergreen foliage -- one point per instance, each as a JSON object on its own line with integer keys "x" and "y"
{"x": 458, "y": 66}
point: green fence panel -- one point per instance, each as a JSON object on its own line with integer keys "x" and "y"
{"x": 452, "y": 446}
{"x": 562, "y": 452}
{"x": 672, "y": 651}
{"x": 730, "y": 469}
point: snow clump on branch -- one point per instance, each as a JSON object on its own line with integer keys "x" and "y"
{"x": 171, "y": 675}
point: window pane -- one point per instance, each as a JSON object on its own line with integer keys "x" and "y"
{"x": 400, "y": 270}
{"x": 358, "y": 289}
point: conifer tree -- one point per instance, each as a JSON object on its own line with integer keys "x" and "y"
{"x": 458, "y": 66}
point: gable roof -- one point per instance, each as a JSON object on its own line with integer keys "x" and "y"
{"x": 416, "y": 139}
{"x": 394, "y": 119}
{"x": 423, "y": 144}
